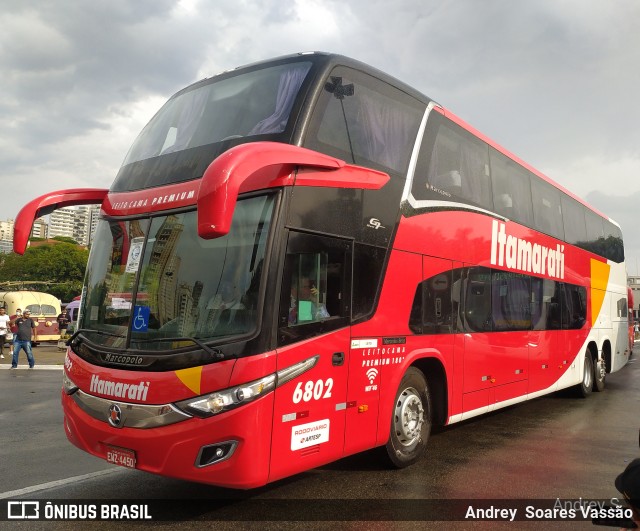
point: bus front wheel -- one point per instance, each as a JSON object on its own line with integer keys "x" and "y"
{"x": 410, "y": 420}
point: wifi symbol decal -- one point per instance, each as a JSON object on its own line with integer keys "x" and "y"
{"x": 371, "y": 374}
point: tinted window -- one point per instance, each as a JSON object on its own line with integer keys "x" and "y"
{"x": 573, "y": 307}
{"x": 477, "y": 300}
{"x": 595, "y": 227}
{"x": 575, "y": 229}
{"x": 251, "y": 103}
{"x": 365, "y": 121}
{"x": 433, "y": 310}
{"x": 614, "y": 249}
{"x": 544, "y": 306}
{"x": 496, "y": 301}
{"x": 511, "y": 189}
{"x": 510, "y": 309}
{"x": 453, "y": 165}
{"x": 547, "y": 210}
{"x": 206, "y": 119}
{"x": 315, "y": 287}
{"x": 368, "y": 262}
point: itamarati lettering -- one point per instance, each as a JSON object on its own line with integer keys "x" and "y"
{"x": 515, "y": 253}
{"x": 119, "y": 389}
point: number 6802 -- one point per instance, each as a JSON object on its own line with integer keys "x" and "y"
{"x": 312, "y": 390}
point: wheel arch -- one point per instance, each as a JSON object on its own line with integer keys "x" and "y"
{"x": 436, "y": 377}
{"x": 429, "y": 363}
{"x": 606, "y": 354}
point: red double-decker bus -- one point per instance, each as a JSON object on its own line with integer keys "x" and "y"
{"x": 305, "y": 258}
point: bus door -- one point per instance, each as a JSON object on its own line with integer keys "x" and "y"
{"x": 497, "y": 320}
{"x": 314, "y": 341}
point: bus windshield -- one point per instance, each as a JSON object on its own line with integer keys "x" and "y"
{"x": 152, "y": 281}
{"x": 199, "y": 123}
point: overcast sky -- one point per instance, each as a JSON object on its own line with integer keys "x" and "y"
{"x": 557, "y": 82}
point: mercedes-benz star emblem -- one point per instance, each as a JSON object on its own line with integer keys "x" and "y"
{"x": 115, "y": 415}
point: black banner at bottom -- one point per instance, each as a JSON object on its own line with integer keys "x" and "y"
{"x": 246, "y": 508}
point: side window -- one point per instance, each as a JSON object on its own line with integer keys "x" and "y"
{"x": 433, "y": 309}
{"x": 308, "y": 288}
{"x": 365, "y": 121}
{"x": 368, "y": 261}
{"x": 575, "y": 228}
{"x": 595, "y": 233}
{"x": 47, "y": 309}
{"x": 544, "y": 305}
{"x": 477, "y": 300}
{"x": 574, "y": 307}
{"x": 315, "y": 287}
{"x": 547, "y": 210}
{"x": 510, "y": 296}
{"x": 511, "y": 189}
{"x": 614, "y": 248}
{"x": 452, "y": 165}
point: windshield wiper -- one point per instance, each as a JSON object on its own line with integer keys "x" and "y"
{"x": 99, "y": 332}
{"x": 214, "y": 353}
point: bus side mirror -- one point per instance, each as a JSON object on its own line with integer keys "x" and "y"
{"x": 261, "y": 165}
{"x": 47, "y": 203}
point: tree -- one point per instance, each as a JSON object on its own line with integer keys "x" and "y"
{"x": 62, "y": 265}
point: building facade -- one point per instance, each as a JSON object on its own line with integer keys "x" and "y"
{"x": 77, "y": 223}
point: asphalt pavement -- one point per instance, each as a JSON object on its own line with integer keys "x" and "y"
{"x": 46, "y": 354}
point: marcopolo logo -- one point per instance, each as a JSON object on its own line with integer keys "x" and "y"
{"x": 310, "y": 434}
{"x": 118, "y": 389}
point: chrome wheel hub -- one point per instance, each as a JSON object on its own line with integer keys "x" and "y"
{"x": 408, "y": 417}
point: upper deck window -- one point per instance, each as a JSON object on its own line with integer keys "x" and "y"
{"x": 364, "y": 121}
{"x": 198, "y": 124}
{"x": 452, "y": 165}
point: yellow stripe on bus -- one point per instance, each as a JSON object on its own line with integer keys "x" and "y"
{"x": 599, "y": 280}
{"x": 191, "y": 378}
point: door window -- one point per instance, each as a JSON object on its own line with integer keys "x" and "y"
{"x": 316, "y": 287}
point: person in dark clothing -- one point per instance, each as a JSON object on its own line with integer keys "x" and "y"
{"x": 63, "y": 323}
{"x": 26, "y": 328}
{"x": 628, "y": 483}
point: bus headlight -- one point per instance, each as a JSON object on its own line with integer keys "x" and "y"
{"x": 227, "y": 399}
{"x": 233, "y": 397}
{"x": 67, "y": 384}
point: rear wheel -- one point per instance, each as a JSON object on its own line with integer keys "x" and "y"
{"x": 585, "y": 387}
{"x": 600, "y": 373}
{"x": 410, "y": 420}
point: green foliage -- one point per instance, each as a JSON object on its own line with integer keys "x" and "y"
{"x": 60, "y": 265}
{"x": 65, "y": 239}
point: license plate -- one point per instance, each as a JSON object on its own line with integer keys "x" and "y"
{"x": 121, "y": 456}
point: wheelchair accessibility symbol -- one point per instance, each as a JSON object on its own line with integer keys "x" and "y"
{"x": 141, "y": 318}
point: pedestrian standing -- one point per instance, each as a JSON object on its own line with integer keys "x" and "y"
{"x": 4, "y": 329}
{"x": 63, "y": 323}
{"x": 26, "y": 328}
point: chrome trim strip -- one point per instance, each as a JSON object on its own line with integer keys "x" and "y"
{"x": 140, "y": 416}
{"x": 408, "y": 184}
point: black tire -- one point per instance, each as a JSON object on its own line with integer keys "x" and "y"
{"x": 410, "y": 420}
{"x": 599, "y": 375}
{"x": 584, "y": 388}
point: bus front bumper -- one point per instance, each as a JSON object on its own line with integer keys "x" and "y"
{"x": 228, "y": 450}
